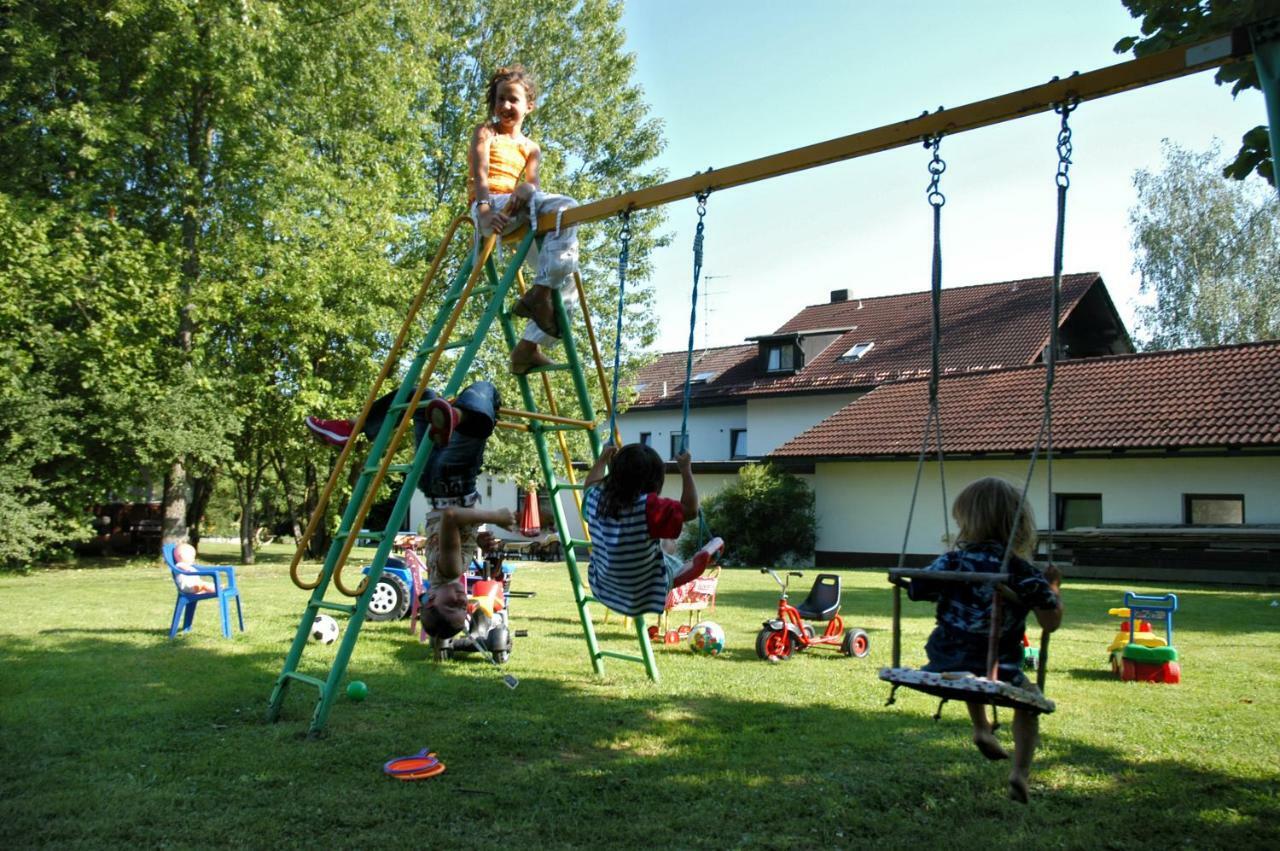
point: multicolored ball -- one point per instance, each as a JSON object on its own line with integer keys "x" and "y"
{"x": 707, "y": 639}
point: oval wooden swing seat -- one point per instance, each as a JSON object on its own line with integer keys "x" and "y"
{"x": 964, "y": 686}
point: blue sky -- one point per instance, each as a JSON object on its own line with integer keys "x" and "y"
{"x": 733, "y": 81}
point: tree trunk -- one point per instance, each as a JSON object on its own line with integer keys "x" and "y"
{"x": 248, "y": 524}
{"x": 175, "y": 505}
{"x": 201, "y": 491}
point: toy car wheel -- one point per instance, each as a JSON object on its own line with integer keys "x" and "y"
{"x": 773, "y": 644}
{"x": 500, "y": 643}
{"x": 390, "y": 600}
{"x": 1115, "y": 664}
{"x": 1172, "y": 673}
{"x": 855, "y": 643}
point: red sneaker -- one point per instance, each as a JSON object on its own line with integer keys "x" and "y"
{"x": 336, "y": 432}
{"x": 441, "y": 419}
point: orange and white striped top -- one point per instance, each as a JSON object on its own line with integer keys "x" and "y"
{"x": 507, "y": 158}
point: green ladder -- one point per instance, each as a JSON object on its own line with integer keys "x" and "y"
{"x": 436, "y": 343}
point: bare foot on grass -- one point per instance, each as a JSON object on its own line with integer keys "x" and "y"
{"x": 1018, "y": 789}
{"x": 989, "y": 746}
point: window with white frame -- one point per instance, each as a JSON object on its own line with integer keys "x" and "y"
{"x": 780, "y": 357}
{"x": 646, "y": 438}
{"x": 857, "y": 351}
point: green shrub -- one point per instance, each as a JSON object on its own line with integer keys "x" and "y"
{"x": 766, "y": 518}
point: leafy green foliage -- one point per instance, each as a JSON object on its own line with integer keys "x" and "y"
{"x": 273, "y": 179}
{"x": 1207, "y": 248}
{"x": 766, "y": 517}
{"x": 1167, "y": 24}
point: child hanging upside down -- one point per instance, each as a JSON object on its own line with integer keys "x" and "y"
{"x": 985, "y": 512}
{"x": 631, "y": 571}
{"x": 458, "y": 434}
{"x": 500, "y": 203}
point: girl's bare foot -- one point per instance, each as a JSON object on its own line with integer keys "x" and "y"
{"x": 526, "y": 356}
{"x": 989, "y": 746}
{"x": 1018, "y": 789}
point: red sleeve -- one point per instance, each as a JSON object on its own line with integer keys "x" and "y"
{"x": 665, "y": 516}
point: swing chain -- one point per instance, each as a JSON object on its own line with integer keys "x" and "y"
{"x": 1064, "y": 141}
{"x": 697, "y": 237}
{"x": 936, "y": 167}
{"x": 624, "y": 252}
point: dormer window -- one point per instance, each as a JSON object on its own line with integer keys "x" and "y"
{"x": 857, "y": 351}
{"x": 780, "y": 357}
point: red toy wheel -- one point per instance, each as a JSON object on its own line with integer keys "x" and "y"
{"x": 1129, "y": 672}
{"x": 1172, "y": 673}
{"x": 773, "y": 644}
{"x": 855, "y": 643}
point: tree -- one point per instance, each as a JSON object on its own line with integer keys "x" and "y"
{"x": 1208, "y": 249}
{"x": 766, "y": 517}
{"x": 1166, "y": 24}
{"x": 259, "y": 185}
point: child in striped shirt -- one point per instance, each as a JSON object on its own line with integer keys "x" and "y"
{"x": 630, "y": 571}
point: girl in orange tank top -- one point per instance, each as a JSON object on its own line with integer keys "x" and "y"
{"x": 501, "y": 202}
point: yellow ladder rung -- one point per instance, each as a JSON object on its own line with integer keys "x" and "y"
{"x": 551, "y": 418}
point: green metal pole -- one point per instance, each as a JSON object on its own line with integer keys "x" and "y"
{"x": 1266, "y": 56}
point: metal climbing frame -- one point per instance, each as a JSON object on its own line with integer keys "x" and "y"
{"x": 438, "y": 341}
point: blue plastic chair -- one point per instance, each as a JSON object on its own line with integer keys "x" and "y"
{"x": 224, "y": 584}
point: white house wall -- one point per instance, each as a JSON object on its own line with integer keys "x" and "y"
{"x": 708, "y": 429}
{"x": 772, "y": 422}
{"x": 862, "y": 506}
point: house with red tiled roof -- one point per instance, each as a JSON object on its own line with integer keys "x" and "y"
{"x": 1165, "y": 464}
{"x": 747, "y": 400}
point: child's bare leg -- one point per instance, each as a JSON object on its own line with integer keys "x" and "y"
{"x": 1026, "y": 729}
{"x": 450, "y": 563}
{"x": 986, "y": 741}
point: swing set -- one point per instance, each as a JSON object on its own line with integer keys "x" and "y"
{"x": 440, "y": 348}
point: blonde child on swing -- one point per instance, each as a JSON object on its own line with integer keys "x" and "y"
{"x": 985, "y": 513}
{"x": 501, "y": 201}
{"x": 631, "y": 569}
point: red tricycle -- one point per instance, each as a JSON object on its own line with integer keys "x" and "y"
{"x": 788, "y": 632}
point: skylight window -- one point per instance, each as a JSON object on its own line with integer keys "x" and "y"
{"x": 858, "y": 350}
{"x": 701, "y": 377}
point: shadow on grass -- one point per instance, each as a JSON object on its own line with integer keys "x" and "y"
{"x": 572, "y": 761}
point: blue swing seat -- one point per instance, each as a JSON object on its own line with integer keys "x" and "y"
{"x": 224, "y": 585}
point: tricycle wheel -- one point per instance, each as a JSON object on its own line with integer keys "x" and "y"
{"x": 499, "y": 641}
{"x": 390, "y": 600}
{"x": 856, "y": 643}
{"x": 773, "y": 644}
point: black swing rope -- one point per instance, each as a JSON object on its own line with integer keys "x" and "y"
{"x": 1045, "y": 436}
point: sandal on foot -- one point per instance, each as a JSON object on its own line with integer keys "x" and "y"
{"x": 441, "y": 419}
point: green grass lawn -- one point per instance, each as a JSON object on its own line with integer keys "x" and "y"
{"x": 112, "y": 735}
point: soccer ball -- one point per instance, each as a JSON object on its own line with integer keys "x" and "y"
{"x": 707, "y": 639}
{"x": 324, "y": 630}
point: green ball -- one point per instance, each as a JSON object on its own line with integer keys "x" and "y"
{"x": 357, "y": 690}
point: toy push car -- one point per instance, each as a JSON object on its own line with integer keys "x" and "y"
{"x": 1136, "y": 652}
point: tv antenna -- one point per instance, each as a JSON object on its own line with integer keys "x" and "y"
{"x": 707, "y": 309}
